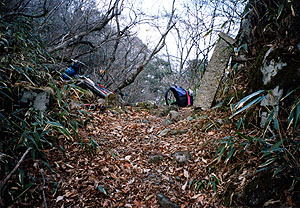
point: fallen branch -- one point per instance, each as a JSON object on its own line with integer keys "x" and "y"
{"x": 2, "y": 183}
{"x": 42, "y": 188}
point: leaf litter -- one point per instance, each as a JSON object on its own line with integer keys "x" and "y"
{"x": 110, "y": 167}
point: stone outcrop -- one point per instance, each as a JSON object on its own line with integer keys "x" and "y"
{"x": 214, "y": 73}
{"x": 38, "y": 98}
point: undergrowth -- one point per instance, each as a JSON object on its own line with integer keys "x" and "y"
{"x": 24, "y": 131}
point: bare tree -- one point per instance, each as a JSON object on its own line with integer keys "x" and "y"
{"x": 24, "y": 8}
{"x": 196, "y": 33}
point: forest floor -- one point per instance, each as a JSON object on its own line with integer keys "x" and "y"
{"x": 140, "y": 159}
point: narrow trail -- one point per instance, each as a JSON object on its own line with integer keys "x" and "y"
{"x": 128, "y": 160}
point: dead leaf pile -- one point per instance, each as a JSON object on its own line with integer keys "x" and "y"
{"x": 112, "y": 163}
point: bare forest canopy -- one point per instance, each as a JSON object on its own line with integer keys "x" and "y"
{"x": 110, "y": 36}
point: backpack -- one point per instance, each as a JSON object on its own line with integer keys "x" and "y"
{"x": 71, "y": 71}
{"x": 183, "y": 98}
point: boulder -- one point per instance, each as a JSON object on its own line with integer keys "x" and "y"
{"x": 155, "y": 158}
{"x": 181, "y": 157}
{"x": 175, "y": 116}
{"x": 38, "y": 98}
{"x": 215, "y": 70}
{"x": 164, "y": 202}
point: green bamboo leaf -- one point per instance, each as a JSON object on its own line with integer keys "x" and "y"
{"x": 275, "y": 146}
{"x": 48, "y": 166}
{"x": 37, "y": 138}
{"x": 269, "y": 119}
{"x": 222, "y": 150}
{"x": 250, "y": 139}
{"x": 5, "y": 94}
{"x": 95, "y": 142}
{"x": 55, "y": 124}
{"x": 25, "y": 189}
{"x": 32, "y": 140}
{"x": 257, "y": 100}
{"x": 289, "y": 93}
{"x": 296, "y": 115}
{"x": 268, "y": 162}
{"x": 78, "y": 88}
{"x": 247, "y": 98}
{"x": 102, "y": 190}
{"x": 61, "y": 128}
{"x": 280, "y": 9}
{"x": 21, "y": 177}
{"x": 279, "y": 169}
{"x": 239, "y": 123}
{"x": 214, "y": 186}
{"x": 5, "y": 41}
{"x": 5, "y": 121}
{"x": 263, "y": 169}
{"x": 231, "y": 153}
{"x": 276, "y": 124}
{"x": 23, "y": 73}
{"x": 291, "y": 118}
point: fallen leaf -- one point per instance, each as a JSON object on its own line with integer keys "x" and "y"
{"x": 186, "y": 173}
{"x": 210, "y": 133}
{"x": 59, "y": 198}
{"x": 128, "y": 157}
{"x": 184, "y": 186}
{"x": 271, "y": 201}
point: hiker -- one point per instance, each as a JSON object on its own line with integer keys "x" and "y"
{"x": 183, "y": 98}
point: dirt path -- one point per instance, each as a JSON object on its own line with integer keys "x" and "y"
{"x": 124, "y": 160}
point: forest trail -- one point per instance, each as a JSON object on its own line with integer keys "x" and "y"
{"x": 139, "y": 159}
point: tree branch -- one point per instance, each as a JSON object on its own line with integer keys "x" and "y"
{"x": 44, "y": 13}
{"x": 2, "y": 183}
{"x": 141, "y": 67}
{"x": 109, "y": 16}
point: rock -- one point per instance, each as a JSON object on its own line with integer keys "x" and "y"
{"x": 164, "y": 202}
{"x": 75, "y": 104}
{"x": 110, "y": 100}
{"x": 166, "y": 109}
{"x": 155, "y": 158}
{"x": 164, "y": 132}
{"x": 147, "y": 105}
{"x": 271, "y": 67}
{"x": 38, "y": 98}
{"x": 181, "y": 157}
{"x": 167, "y": 122}
{"x": 145, "y": 121}
{"x": 175, "y": 116}
{"x": 263, "y": 119}
{"x": 272, "y": 100}
{"x": 214, "y": 73}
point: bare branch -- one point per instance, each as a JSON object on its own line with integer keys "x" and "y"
{"x": 44, "y": 13}
{"x": 141, "y": 67}
{"x": 2, "y": 183}
{"x": 110, "y": 14}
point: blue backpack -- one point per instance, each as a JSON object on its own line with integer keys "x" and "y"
{"x": 70, "y": 72}
{"x": 182, "y": 96}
